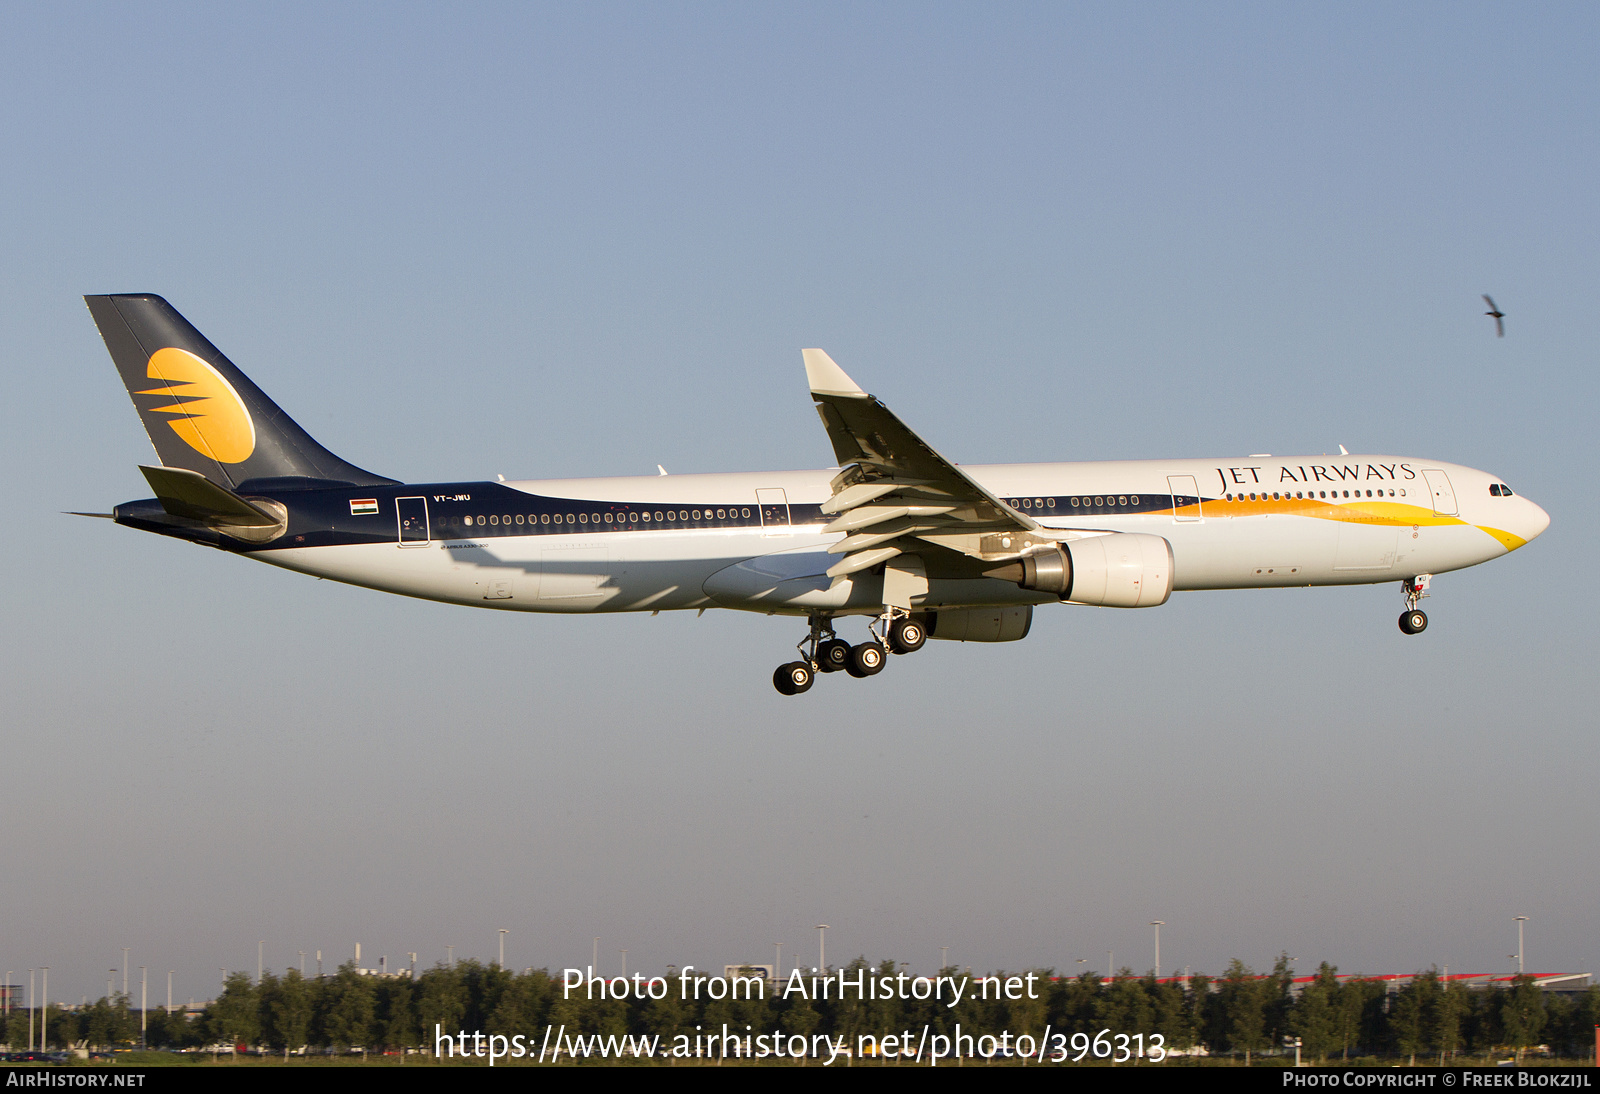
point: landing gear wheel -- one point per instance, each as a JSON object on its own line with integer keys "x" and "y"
{"x": 833, "y": 655}
{"x": 793, "y": 678}
{"x": 1414, "y": 622}
{"x": 866, "y": 660}
{"x": 907, "y": 636}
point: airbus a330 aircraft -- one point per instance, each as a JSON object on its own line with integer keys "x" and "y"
{"x": 898, "y": 534}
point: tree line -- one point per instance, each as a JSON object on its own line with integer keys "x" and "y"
{"x": 1239, "y": 1013}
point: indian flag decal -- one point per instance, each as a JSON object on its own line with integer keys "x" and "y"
{"x": 363, "y": 507}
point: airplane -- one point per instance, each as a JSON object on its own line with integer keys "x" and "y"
{"x": 917, "y": 545}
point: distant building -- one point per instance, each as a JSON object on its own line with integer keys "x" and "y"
{"x": 764, "y": 972}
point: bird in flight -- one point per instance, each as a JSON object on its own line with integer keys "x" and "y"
{"x": 1499, "y": 316}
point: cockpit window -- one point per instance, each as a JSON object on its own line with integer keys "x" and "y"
{"x": 1500, "y": 490}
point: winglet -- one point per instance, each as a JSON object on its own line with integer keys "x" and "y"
{"x": 827, "y": 378}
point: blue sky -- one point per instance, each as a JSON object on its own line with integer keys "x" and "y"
{"x": 550, "y": 241}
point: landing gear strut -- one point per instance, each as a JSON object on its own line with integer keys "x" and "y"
{"x": 1414, "y": 620}
{"x": 823, "y": 651}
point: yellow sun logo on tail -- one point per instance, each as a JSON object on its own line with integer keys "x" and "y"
{"x": 211, "y": 418}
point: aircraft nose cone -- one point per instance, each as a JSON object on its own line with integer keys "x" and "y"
{"x": 1535, "y": 522}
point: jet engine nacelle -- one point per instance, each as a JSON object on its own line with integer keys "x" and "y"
{"x": 980, "y": 624}
{"x": 1121, "y": 570}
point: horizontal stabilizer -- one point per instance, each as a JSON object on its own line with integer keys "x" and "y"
{"x": 191, "y": 495}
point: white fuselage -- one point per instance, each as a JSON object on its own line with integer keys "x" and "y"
{"x": 1232, "y": 524}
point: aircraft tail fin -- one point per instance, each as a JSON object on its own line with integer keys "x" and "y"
{"x": 202, "y": 414}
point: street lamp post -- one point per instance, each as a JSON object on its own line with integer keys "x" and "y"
{"x": 144, "y": 1004}
{"x": 44, "y": 1007}
{"x": 124, "y": 972}
{"x": 260, "y": 949}
{"x": 778, "y": 968}
{"x": 1158, "y": 924}
{"x": 503, "y": 947}
{"x": 822, "y": 948}
{"x": 1521, "y": 919}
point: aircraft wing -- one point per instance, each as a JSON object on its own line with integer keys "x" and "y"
{"x": 896, "y": 495}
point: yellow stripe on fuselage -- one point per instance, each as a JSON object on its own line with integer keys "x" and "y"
{"x": 1510, "y": 541}
{"x": 1362, "y": 512}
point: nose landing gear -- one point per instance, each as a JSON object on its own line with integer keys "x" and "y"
{"x": 823, "y": 651}
{"x": 1413, "y": 620}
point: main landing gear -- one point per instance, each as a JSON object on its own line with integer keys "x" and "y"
{"x": 823, "y": 651}
{"x": 1414, "y": 620}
